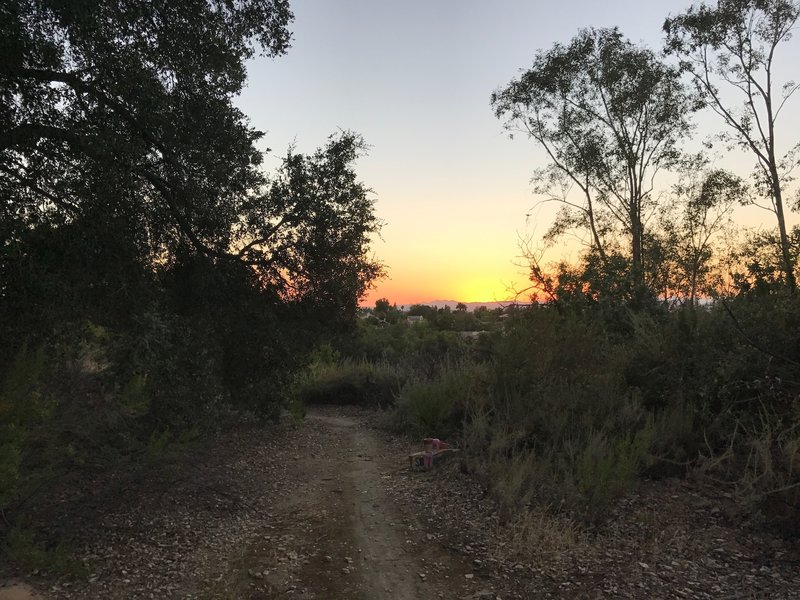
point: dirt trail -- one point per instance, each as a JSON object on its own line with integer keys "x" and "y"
{"x": 306, "y": 511}
{"x": 327, "y": 509}
{"x": 339, "y": 534}
{"x": 389, "y": 570}
{"x": 17, "y": 591}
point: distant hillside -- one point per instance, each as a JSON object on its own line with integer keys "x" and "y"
{"x": 471, "y": 305}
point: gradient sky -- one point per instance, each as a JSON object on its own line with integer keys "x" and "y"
{"x": 414, "y": 78}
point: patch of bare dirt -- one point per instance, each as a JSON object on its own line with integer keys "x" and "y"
{"x": 269, "y": 512}
{"x": 328, "y": 509}
{"x": 17, "y": 591}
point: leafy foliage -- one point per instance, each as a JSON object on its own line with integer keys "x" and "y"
{"x": 735, "y": 44}
{"x": 22, "y": 406}
{"x": 610, "y": 116}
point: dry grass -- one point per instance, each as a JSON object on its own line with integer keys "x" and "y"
{"x": 540, "y": 535}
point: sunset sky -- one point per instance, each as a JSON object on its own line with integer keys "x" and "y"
{"x": 414, "y": 78}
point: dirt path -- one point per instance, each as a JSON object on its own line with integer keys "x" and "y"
{"x": 349, "y": 539}
{"x": 328, "y": 509}
{"x": 388, "y": 569}
{"x": 291, "y": 510}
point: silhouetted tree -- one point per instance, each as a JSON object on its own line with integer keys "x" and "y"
{"x": 134, "y": 198}
{"x": 701, "y": 210}
{"x": 735, "y": 44}
{"x": 610, "y": 115}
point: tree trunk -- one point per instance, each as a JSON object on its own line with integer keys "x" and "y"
{"x": 787, "y": 265}
{"x": 637, "y": 267}
{"x": 593, "y": 225}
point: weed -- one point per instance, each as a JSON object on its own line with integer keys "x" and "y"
{"x": 537, "y": 534}
{"x": 22, "y": 549}
{"x": 297, "y": 410}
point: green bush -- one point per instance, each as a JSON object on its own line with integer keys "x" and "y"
{"x": 436, "y": 407}
{"x": 558, "y": 424}
{"x": 575, "y": 401}
{"x": 355, "y": 383}
{"x": 607, "y": 468}
{"x": 21, "y": 548}
{"x": 22, "y": 407}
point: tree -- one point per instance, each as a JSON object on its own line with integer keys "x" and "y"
{"x": 308, "y": 236}
{"x": 735, "y": 44}
{"x": 701, "y": 209}
{"x": 610, "y": 116}
{"x": 124, "y": 111}
{"x": 382, "y": 305}
{"x": 133, "y": 198}
{"x": 121, "y": 150}
{"x": 164, "y": 274}
{"x": 758, "y": 262}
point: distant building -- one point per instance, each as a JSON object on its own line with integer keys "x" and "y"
{"x": 414, "y": 319}
{"x": 471, "y": 335}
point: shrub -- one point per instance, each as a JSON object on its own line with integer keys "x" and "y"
{"x": 436, "y": 407}
{"x": 21, "y": 548}
{"x": 22, "y": 407}
{"x": 357, "y": 383}
{"x": 607, "y": 468}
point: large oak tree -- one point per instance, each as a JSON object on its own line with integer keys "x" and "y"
{"x": 118, "y": 136}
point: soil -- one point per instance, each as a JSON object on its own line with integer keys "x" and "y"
{"x": 13, "y": 590}
{"x": 328, "y": 509}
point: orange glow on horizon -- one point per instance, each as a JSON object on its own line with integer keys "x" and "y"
{"x": 434, "y": 252}
{"x": 405, "y": 293}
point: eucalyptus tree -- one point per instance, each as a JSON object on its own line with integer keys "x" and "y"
{"x": 610, "y": 115}
{"x": 700, "y": 211}
{"x": 735, "y": 45}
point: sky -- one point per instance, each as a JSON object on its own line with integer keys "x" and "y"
{"x": 414, "y": 78}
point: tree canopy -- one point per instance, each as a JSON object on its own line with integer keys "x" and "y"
{"x": 125, "y": 110}
{"x": 610, "y": 116}
{"x": 735, "y": 44}
{"x": 135, "y": 203}
{"x": 120, "y": 138}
